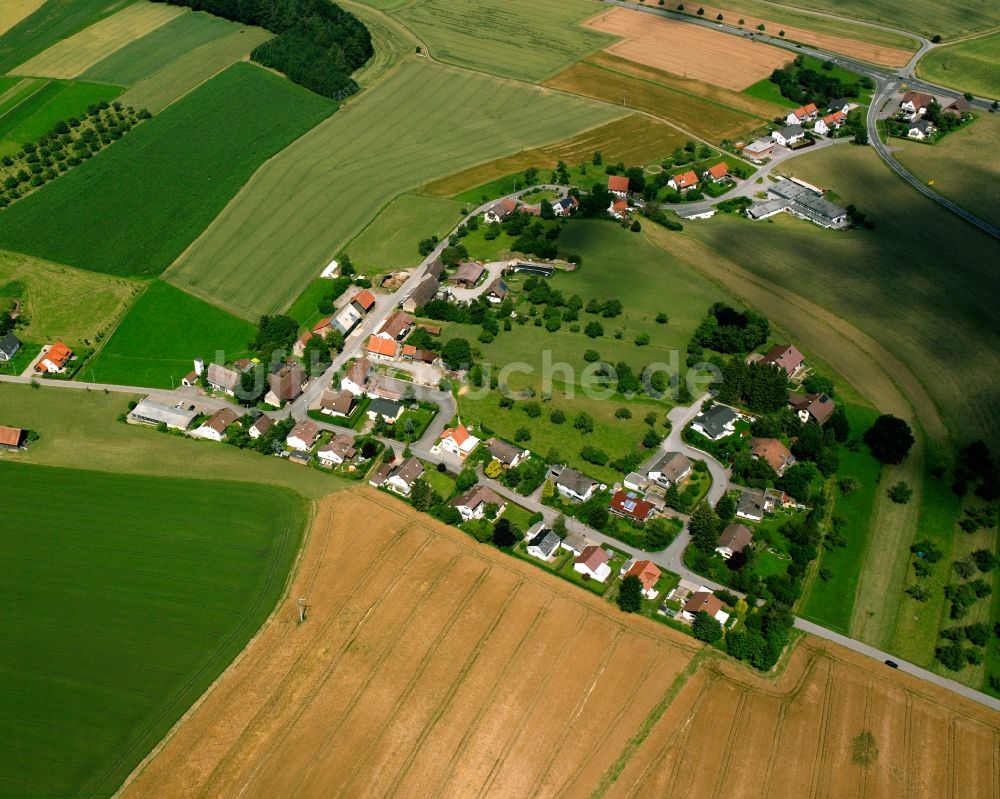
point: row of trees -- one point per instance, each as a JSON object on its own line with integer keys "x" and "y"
{"x": 318, "y": 44}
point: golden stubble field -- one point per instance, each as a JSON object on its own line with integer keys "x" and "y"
{"x": 431, "y": 666}
{"x": 688, "y": 50}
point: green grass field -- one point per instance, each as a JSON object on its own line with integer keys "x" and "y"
{"x": 80, "y": 430}
{"x": 390, "y": 241}
{"x": 46, "y": 102}
{"x": 119, "y": 612}
{"x": 150, "y": 53}
{"x": 155, "y": 344}
{"x": 768, "y": 92}
{"x": 519, "y": 39}
{"x": 65, "y": 303}
{"x": 135, "y": 207}
{"x": 926, "y": 17}
{"x": 970, "y": 66}
{"x": 422, "y": 122}
{"x": 928, "y": 306}
{"x": 55, "y": 20}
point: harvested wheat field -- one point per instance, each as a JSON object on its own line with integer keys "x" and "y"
{"x": 428, "y": 665}
{"x": 833, "y": 724}
{"x": 688, "y": 50}
{"x": 13, "y": 11}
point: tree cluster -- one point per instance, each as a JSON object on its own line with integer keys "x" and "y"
{"x": 318, "y": 44}
{"x": 729, "y": 331}
{"x": 803, "y": 85}
{"x": 274, "y": 333}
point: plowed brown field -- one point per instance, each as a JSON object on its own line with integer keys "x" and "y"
{"x": 431, "y": 666}
{"x": 688, "y": 50}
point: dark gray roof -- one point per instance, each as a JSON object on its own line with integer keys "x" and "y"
{"x": 384, "y": 407}
{"x": 9, "y": 345}
{"x": 504, "y": 452}
{"x": 806, "y": 200}
{"x": 425, "y": 291}
{"x": 572, "y": 480}
{"x": 546, "y": 542}
{"x": 715, "y": 419}
{"x": 791, "y": 130}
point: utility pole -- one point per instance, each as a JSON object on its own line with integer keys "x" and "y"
{"x": 301, "y": 604}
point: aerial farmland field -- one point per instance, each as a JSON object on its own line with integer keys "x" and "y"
{"x": 422, "y": 122}
{"x": 165, "y": 330}
{"x": 185, "y": 165}
{"x": 120, "y": 614}
{"x": 967, "y": 66}
{"x": 13, "y": 11}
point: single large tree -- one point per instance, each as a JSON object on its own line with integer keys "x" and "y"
{"x": 889, "y": 439}
{"x": 630, "y": 594}
{"x": 704, "y": 527}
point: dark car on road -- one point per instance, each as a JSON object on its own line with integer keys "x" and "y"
{"x": 892, "y": 664}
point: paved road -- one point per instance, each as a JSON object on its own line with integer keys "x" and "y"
{"x": 904, "y": 666}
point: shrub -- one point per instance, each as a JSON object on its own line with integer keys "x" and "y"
{"x": 706, "y": 628}
{"x": 901, "y": 493}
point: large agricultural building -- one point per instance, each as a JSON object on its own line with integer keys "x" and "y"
{"x": 154, "y": 413}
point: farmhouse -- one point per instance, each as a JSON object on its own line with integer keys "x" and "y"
{"x": 497, "y": 291}
{"x": 12, "y": 437}
{"x": 508, "y": 455}
{"x": 472, "y": 504}
{"x": 285, "y": 384}
{"x": 915, "y": 104}
{"x": 805, "y": 202}
{"x": 386, "y": 409}
{"x": 468, "y": 274}
{"x": 719, "y": 173}
{"x": 303, "y": 435}
{"x": 542, "y": 542}
{"x": 422, "y": 356}
{"x": 816, "y": 407}
{"x": 920, "y": 130}
{"x": 401, "y": 479}
{"x": 458, "y": 441}
{"x": 685, "y": 180}
{"x": 155, "y": 413}
{"x": 215, "y": 428}
{"x": 629, "y": 505}
{"x": 500, "y": 210}
{"x": 789, "y": 135}
{"x": 704, "y": 601}
{"x": 356, "y": 377}
{"x": 759, "y": 149}
{"x": 958, "y": 108}
{"x": 573, "y": 485}
{"x": 9, "y": 345}
{"x": 426, "y": 290}
{"x": 220, "y": 378}
{"x": 772, "y": 452}
{"x": 336, "y": 451}
{"x": 751, "y": 505}
{"x": 804, "y": 113}
{"x": 618, "y": 209}
{"x": 785, "y": 356}
{"x": 670, "y": 469}
{"x": 396, "y": 326}
{"x": 618, "y": 185}
{"x": 383, "y": 349}
{"x": 735, "y": 538}
{"x": 830, "y": 122}
{"x": 717, "y": 422}
{"x": 337, "y": 403}
{"x": 55, "y": 359}
{"x": 565, "y": 206}
{"x": 593, "y": 563}
{"x": 261, "y": 426}
{"x": 648, "y": 574}
{"x": 346, "y": 318}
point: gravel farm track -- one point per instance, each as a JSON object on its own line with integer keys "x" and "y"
{"x": 433, "y": 666}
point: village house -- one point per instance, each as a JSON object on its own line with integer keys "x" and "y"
{"x": 363, "y": 301}
{"x": 772, "y": 452}
{"x": 717, "y": 422}
{"x": 153, "y": 413}
{"x": 575, "y": 542}
{"x": 426, "y": 290}
{"x": 336, "y": 451}
{"x": 704, "y": 601}
{"x": 670, "y": 469}
{"x": 396, "y": 326}
{"x": 356, "y": 377}
{"x": 542, "y": 543}
{"x": 500, "y": 210}
{"x": 9, "y": 345}
{"x": 467, "y": 275}
{"x": 223, "y": 379}
{"x": 337, "y": 403}
{"x": 12, "y": 437}
{"x": 401, "y": 478}
{"x": 411, "y": 353}
{"x": 719, "y": 173}
{"x": 382, "y": 349}
{"x": 573, "y": 485}
{"x": 303, "y": 435}
{"x": 838, "y": 104}
{"x": 635, "y": 481}
{"x": 260, "y": 426}
{"x": 618, "y": 209}
{"x": 323, "y": 327}
{"x": 473, "y": 503}
{"x": 458, "y": 441}
{"x": 683, "y": 181}
{"x": 565, "y": 206}
{"x": 386, "y": 409}
{"x": 593, "y": 563}
{"x": 506, "y": 454}
{"x": 285, "y": 384}
{"x": 214, "y": 429}
{"x": 648, "y": 574}
{"x": 618, "y": 185}
{"x": 759, "y": 149}
{"x": 751, "y": 505}
{"x": 785, "y": 356}
{"x": 816, "y": 407}
{"x": 830, "y": 122}
{"x": 497, "y": 291}
{"x": 55, "y": 359}
{"x": 920, "y": 130}
{"x": 958, "y": 108}
{"x": 299, "y": 347}
{"x": 789, "y": 135}
{"x": 734, "y": 539}
{"x": 630, "y": 505}
{"x": 915, "y": 104}
{"x": 804, "y": 113}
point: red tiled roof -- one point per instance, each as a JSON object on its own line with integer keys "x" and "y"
{"x": 686, "y": 179}
{"x": 11, "y": 436}
{"x": 58, "y": 354}
{"x": 457, "y": 434}
{"x": 365, "y": 299}
{"x": 836, "y": 118}
{"x": 627, "y": 503}
{"x": 720, "y": 170}
{"x": 617, "y": 183}
{"x": 383, "y": 346}
{"x": 646, "y": 571}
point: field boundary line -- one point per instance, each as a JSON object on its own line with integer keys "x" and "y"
{"x": 471, "y": 659}
{"x": 865, "y": 771}
{"x": 735, "y": 733}
{"x": 952, "y": 771}
{"x": 685, "y": 740}
{"x": 824, "y": 728}
{"x": 45, "y": 82}
{"x": 388, "y": 650}
{"x": 267, "y": 706}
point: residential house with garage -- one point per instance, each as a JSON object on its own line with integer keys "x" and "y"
{"x": 704, "y": 601}
{"x": 337, "y": 451}
{"x": 647, "y": 572}
{"x": 593, "y": 563}
{"x": 683, "y": 181}
{"x": 474, "y": 502}
{"x": 734, "y": 539}
{"x": 458, "y": 441}
{"x": 629, "y": 505}
{"x": 214, "y": 428}
{"x": 541, "y": 542}
{"x": 55, "y": 360}
{"x": 789, "y": 135}
{"x": 500, "y": 210}
{"x": 9, "y": 346}
{"x": 573, "y": 485}
{"x": 670, "y": 469}
{"x": 716, "y": 423}
{"x": 303, "y": 436}
{"x": 508, "y": 455}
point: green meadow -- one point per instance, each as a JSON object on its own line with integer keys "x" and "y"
{"x": 124, "y": 598}
{"x": 968, "y": 66}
